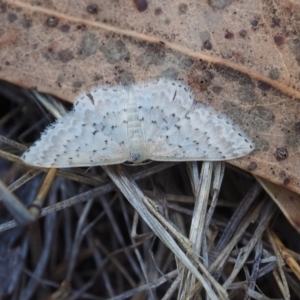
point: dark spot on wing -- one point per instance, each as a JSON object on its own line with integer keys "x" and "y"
{"x": 91, "y": 97}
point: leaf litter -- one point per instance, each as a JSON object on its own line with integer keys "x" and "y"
{"x": 101, "y": 243}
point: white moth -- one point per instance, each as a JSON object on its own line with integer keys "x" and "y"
{"x": 156, "y": 120}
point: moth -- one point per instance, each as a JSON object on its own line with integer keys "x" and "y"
{"x": 155, "y": 120}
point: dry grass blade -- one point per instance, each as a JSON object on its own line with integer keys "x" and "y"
{"x": 15, "y": 206}
{"x": 37, "y": 204}
{"x": 135, "y": 196}
{"x": 285, "y": 255}
{"x": 201, "y": 186}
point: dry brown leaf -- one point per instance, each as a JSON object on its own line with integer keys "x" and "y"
{"x": 241, "y": 57}
{"x": 288, "y": 201}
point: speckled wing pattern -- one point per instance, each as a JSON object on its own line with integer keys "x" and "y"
{"x": 93, "y": 133}
{"x": 156, "y": 120}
